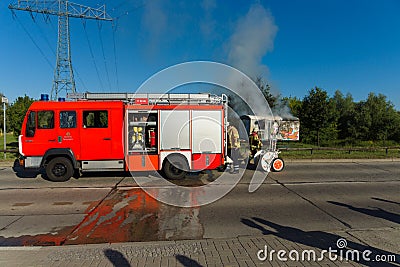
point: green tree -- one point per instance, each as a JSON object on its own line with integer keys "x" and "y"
{"x": 294, "y": 105}
{"x": 265, "y": 89}
{"x": 16, "y": 113}
{"x": 317, "y": 117}
{"x": 394, "y": 133}
{"x": 377, "y": 108}
{"x": 345, "y": 111}
{"x": 376, "y": 119}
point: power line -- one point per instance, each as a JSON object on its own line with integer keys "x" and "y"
{"x": 46, "y": 39}
{"x": 63, "y": 9}
{"x": 47, "y": 19}
{"x": 92, "y": 55}
{"x": 80, "y": 79}
{"x": 114, "y": 27}
{"x": 104, "y": 56}
{"x": 33, "y": 40}
{"x": 126, "y": 13}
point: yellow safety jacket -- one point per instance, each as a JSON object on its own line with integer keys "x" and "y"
{"x": 233, "y": 137}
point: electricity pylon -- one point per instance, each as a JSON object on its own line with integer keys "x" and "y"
{"x": 63, "y": 73}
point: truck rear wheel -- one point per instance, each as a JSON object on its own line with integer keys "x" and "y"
{"x": 59, "y": 169}
{"x": 175, "y": 168}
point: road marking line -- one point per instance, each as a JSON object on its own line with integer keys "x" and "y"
{"x": 19, "y": 248}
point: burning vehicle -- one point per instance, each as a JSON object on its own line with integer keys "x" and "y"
{"x": 270, "y": 130}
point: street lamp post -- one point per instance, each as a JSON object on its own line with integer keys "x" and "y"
{"x": 5, "y": 101}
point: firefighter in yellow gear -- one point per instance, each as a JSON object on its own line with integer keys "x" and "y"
{"x": 137, "y": 137}
{"x": 255, "y": 143}
{"x": 233, "y": 147}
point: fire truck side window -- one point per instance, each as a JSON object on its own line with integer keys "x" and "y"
{"x": 67, "y": 119}
{"x": 45, "y": 119}
{"x": 31, "y": 124}
{"x": 95, "y": 119}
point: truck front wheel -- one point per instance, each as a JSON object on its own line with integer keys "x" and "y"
{"x": 59, "y": 169}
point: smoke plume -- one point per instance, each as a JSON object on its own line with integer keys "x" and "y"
{"x": 208, "y": 22}
{"x": 253, "y": 37}
{"x": 155, "y": 23}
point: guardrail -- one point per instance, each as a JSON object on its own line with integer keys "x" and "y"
{"x": 9, "y": 150}
{"x": 349, "y": 150}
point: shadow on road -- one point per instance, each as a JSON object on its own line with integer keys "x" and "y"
{"x": 21, "y": 172}
{"x": 116, "y": 258}
{"x": 385, "y": 200}
{"x": 187, "y": 262}
{"x": 375, "y": 212}
{"x": 317, "y": 239}
{"x": 192, "y": 179}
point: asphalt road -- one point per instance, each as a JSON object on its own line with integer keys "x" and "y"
{"x": 304, "y": 198}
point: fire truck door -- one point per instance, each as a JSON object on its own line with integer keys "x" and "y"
{"x": 68, "y": 131}
{"x": 40, "y": 133}
{"x": 96, "y": 135}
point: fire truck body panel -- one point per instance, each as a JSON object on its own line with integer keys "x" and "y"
{"x": 196, "y": 133}
{"x": 102, "y": 141}
{"x": 120, "y": 135}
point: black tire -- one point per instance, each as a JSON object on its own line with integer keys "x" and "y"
{"x": 175, "y": 168}
{"x": 277, "y": 165}
{"x": 77, "y": 173}
{"x": 222, "y": 168}
{"x": 59, "y": 169}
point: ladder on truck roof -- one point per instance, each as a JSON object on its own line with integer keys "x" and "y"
{"x": 152, "y": 99}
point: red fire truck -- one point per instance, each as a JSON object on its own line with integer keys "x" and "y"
{"x": 172, "y": 133}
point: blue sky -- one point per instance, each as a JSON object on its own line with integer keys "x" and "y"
{"x": 353, "y": 46}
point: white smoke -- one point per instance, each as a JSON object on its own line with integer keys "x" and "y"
{"x": 208, "y": 23}
{"x": 155, "y": 24}
{"x": 165, "y": 22}
{"x": 253, "y": 37}
{"x": 282, "y": 110}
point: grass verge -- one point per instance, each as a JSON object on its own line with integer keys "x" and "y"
{"x": 11, "y": 144}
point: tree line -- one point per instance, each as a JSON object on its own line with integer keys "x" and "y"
{"x": 324, "y": 120}
{"x": 339, "y": 120}
{"x": 15, "y": 114}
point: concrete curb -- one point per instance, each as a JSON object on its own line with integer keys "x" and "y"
{"x": 240, "y": 251}
{"x": 6, "y": 163}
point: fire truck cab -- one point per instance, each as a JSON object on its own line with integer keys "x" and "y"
{"x": 171, "y": 133}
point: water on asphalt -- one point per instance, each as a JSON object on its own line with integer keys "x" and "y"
{"x": 124, "y": 215}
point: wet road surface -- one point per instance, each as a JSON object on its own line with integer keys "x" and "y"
{"x": 111, "y": 209}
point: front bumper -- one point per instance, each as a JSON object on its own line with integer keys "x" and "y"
{"x": 30, "y": 162}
